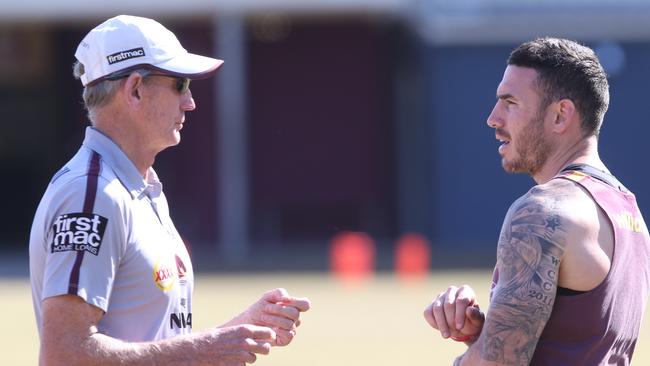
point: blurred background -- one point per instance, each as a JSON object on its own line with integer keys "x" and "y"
{"x": 328, "y": 117}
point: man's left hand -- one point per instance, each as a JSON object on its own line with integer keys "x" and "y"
{"x": 278, "y": 310}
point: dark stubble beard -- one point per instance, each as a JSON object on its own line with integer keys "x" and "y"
{"x": 533, "y": 148}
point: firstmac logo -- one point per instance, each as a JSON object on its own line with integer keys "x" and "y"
{"x": 78, "y": 232}
{"x": 125, "y": 55}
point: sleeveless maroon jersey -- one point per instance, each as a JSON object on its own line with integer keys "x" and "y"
{"x": 601, "y": 326}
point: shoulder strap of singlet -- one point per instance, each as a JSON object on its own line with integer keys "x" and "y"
{"x": 597, "y": 174}
{"x": 601, "y": 176}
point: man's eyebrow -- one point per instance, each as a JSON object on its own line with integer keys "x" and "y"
{"x": 504, "y": 96}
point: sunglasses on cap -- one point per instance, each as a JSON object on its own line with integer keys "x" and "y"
{"x": 182, "y": 84}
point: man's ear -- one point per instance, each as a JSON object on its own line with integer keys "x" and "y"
{"x": 566, "y": 115}
{"x": 132, "y": 88}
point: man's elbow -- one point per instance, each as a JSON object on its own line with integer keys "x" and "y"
{"x": 49, "y": 357}
{"x": 58, "y": 354}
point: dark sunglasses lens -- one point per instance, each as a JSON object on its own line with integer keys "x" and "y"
{"x": 183, "y": 85}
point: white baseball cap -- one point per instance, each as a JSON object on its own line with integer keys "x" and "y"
{"x": 128, "y": 42}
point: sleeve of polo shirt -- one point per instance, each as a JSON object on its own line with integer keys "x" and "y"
{"x": 84, "y": 249}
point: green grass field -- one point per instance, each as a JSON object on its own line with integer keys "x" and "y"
{"x": 376, "y": 323}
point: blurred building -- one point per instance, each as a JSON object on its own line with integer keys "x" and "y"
{"x": 328, "y": 116}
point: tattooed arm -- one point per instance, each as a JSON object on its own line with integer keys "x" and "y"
{"x": 531, "y": 245}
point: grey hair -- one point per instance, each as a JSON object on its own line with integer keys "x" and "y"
{"x": 97, "y": 95}
{"x": 100, "y": 94}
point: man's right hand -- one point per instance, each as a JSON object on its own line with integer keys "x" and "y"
{"x": 455, "y": 313}
{"x": 235, "y": 346}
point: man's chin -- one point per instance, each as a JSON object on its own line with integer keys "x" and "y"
{"x": 173, "y": 142}
{"x": 511, "y": 168}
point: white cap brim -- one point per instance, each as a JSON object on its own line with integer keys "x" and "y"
{"x": 191, "y": 66}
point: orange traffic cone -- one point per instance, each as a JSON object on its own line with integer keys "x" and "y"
{"x": 352, "y": 256}
{"x": 412, "y": 257}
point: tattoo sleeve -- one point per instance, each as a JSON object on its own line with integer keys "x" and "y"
{"x": 530, "y": 247}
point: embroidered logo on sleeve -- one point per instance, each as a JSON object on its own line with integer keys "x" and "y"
{"x": 78, "y": 232}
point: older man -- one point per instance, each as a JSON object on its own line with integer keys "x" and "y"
{"x": 111, "y": 278}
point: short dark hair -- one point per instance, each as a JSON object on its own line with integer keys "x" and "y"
{"x": 567, "y": 70}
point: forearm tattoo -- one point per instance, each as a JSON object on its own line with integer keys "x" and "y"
{"x": 528, "y": 260}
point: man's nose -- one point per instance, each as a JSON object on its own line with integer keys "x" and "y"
{"x": 188, "y": 102}
{"x": 493, "y": 119}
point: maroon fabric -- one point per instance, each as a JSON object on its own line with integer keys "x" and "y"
{"x": 89, "y": 204}
{"x": 601, "y": 326}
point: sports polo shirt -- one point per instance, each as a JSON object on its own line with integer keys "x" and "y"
{"x": 103, "y": 233}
